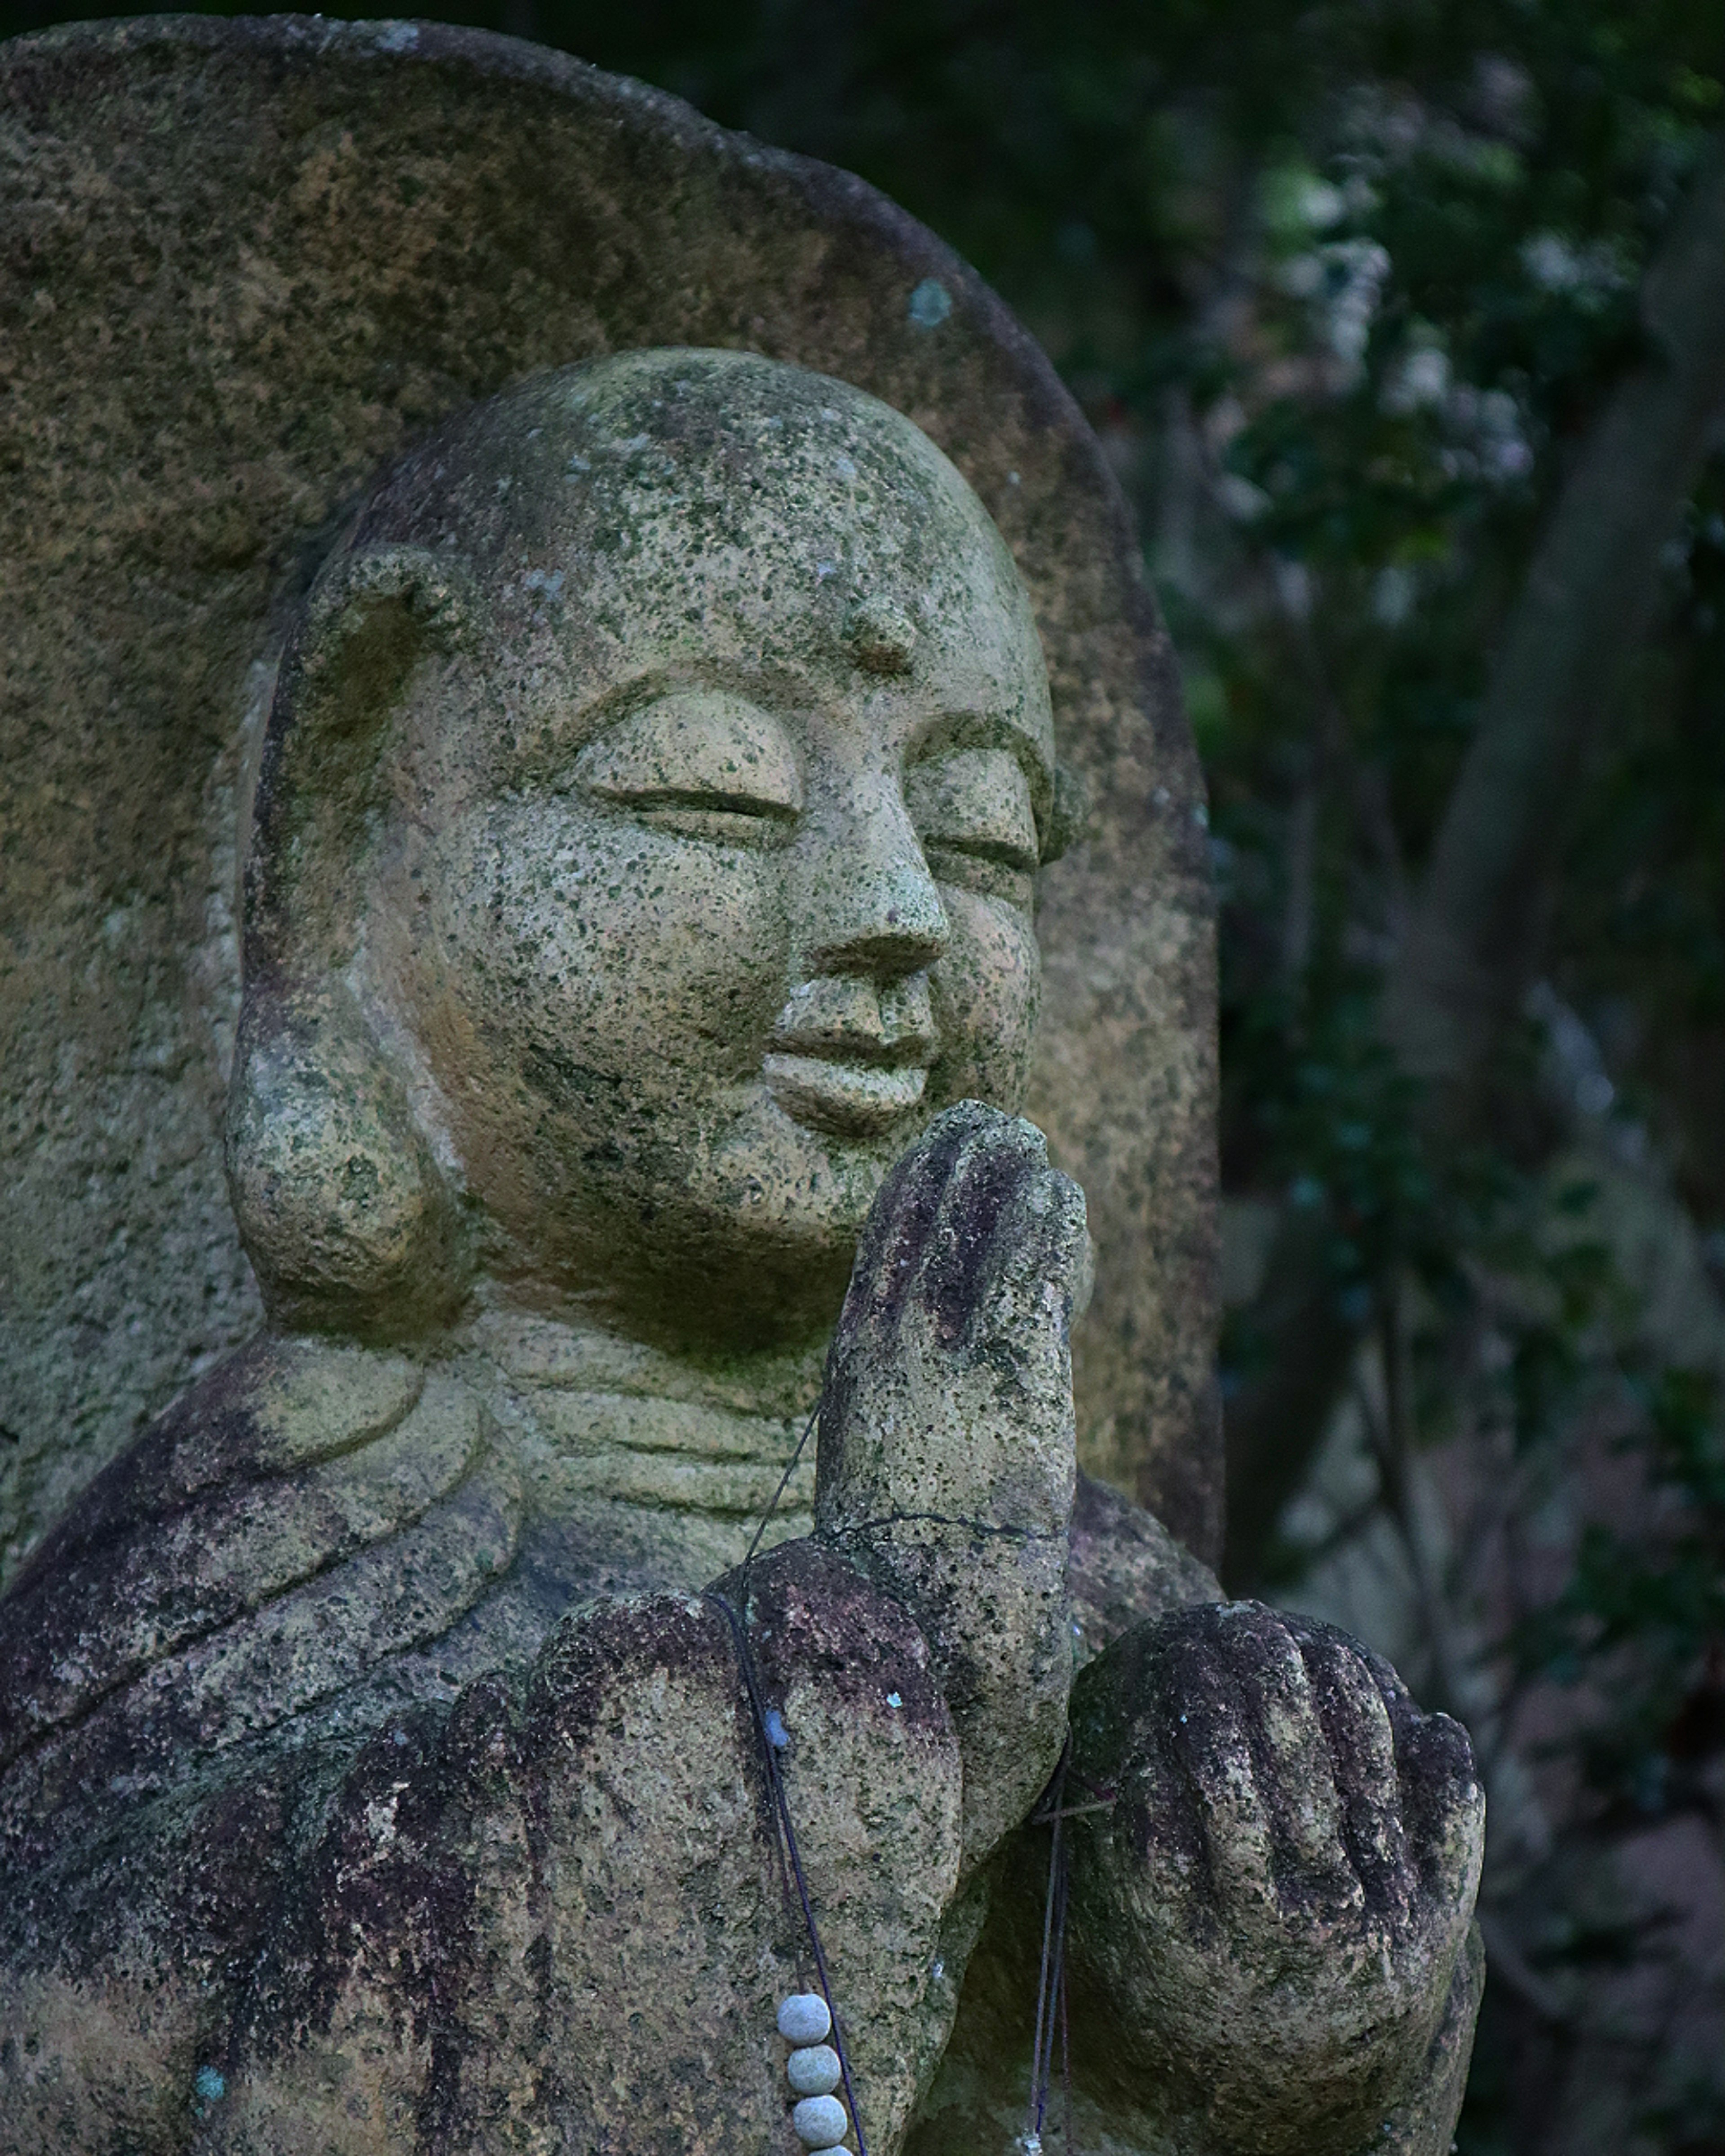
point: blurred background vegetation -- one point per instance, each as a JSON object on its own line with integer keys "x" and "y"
{"x": 1405, "y": 326}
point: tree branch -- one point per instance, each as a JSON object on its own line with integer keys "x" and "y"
{"x": 1472, "y": 936}
{"x": 1471, "y": 942}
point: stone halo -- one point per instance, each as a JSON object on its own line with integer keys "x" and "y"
{"x": 277, "y": 248}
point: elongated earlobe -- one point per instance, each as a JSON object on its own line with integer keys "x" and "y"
{"x": 343, "y": 1211}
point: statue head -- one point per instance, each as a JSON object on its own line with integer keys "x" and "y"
{"x": 644, "y": 852}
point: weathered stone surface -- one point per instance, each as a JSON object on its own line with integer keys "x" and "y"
{"x": 640, "y": 961}
{"x": 1294, "y": 1850}
{"x": 246, "y": 262}
{"x": 1125, "y": 1567}
{"x": 542, "y": 1896}
{"x": 965, "y": 1299}
{"x": 1272, "y": 1865}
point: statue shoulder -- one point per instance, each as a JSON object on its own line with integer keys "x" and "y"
{"x": 288, "y": 1458}
{"x": 1125, "y": 1567}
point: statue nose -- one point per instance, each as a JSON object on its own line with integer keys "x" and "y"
{"x": 869, "y": 905}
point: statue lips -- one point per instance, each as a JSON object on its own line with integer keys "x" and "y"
{"x": 852, "y": 1100}
{"x": 849, "y": 1055}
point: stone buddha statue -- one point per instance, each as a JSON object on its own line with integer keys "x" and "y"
{"x": 641, "y": 973}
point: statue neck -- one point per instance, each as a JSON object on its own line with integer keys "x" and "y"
{"x": 598, "y": 1417}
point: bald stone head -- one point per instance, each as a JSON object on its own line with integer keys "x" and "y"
{"x": 650, "y": 820}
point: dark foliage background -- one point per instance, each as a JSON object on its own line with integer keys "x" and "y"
{"x": 1404, "y": 323}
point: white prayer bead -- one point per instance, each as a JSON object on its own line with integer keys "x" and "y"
{"x": 820, "y": 2121}
{"x": 804, "y": 2019}
{"x": 815, "y": 2072}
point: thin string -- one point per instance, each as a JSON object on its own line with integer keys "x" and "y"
{"x": 751, "y": 1678}
{"x": 747, "y": 1660}
{"x": 784, "y": 1483}
{"x": 1057, "y": 2002}
{"x": 1051, "y": 1988}
{"x": 1065, "y": 2062}
{"x": 785, "y": 1837}
{"x": 1052, "y": 2011}
{"x": 1053, "y": 1959}
{"x": 776, "y": 1786}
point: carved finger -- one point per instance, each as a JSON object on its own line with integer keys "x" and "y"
{"x": 1361, "y": 1747}
{"x": 894, "y": 1244}
{"x": 1209, "y": 1739}
{"x": 890, "y": 1258}
{"x": 1039, "y": 1253}
{"x": 1152, "y": 1858}
{"x": 1140, "y": 1870}
{"x": 1444, "y": 1806}
{"x": 1442, "y": 1802}
{"x": 1295, "y": 1778}
{"x": 994, "y": 1164}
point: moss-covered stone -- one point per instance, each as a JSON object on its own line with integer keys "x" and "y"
{"x": 247, "y": 262}
{"x": 656, "y": 858}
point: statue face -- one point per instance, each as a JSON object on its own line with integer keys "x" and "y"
{"x": 711, "y": 882}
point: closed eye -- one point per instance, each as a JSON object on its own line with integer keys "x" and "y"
{"x": 669, "y": 798}
{"x": 971, "y": 810}
{"x": 701, "y": 764}
{"x": 1004, "y": 851}
{"x": 732, "y": 819}
{"x": 991, "y": 873}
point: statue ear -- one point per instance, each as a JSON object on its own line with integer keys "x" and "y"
{"x": 374, "y": 617}
{"x": 348, "y": 1221}
{"x": 342, "y": 1209}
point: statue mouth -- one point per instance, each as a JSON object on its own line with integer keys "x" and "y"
{"x": 851, "y": 1100}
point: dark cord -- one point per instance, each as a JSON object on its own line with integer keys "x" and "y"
{"x": 783, "y": 1484}
{"x": 1051, "y": 1981}
{"x": 775, "y": 1784}
{"x": 1066, "y": 2057}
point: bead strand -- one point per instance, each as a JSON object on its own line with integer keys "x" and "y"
{"x": 812, "y": 2069}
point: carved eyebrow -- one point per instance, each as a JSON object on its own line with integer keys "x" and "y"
{"x": 643, "y": 686}
{"x": 953, "y": 731}
{"x": 619, "y": 699}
